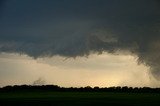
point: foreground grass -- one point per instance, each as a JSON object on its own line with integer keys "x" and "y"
{"x": 44, "y": 98}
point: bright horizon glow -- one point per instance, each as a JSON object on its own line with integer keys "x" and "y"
{"x": 103, "y": 70}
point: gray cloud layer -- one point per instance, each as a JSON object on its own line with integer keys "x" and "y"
{"x": 78, "y": 27}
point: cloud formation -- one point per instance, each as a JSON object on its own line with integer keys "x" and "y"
{"x": 71, "y": 28}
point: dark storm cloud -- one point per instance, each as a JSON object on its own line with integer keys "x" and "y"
{"x": 78, "y": 27}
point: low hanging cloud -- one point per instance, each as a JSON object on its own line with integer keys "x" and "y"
{"x": 70, "y": 28}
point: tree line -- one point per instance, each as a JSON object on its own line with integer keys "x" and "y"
{"x": 81, "y": 89}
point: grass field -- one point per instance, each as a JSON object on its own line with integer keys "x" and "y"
{"x": 78, "y": 99}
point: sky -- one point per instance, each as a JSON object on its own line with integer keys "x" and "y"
{"x": 80, "y": 42}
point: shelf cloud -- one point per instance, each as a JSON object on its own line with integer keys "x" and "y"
{"x": 70, "y": 28}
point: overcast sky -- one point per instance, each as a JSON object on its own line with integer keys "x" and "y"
{"x": 80, "y": 42}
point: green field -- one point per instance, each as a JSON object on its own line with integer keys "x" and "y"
{"x": 78, "y": 99}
